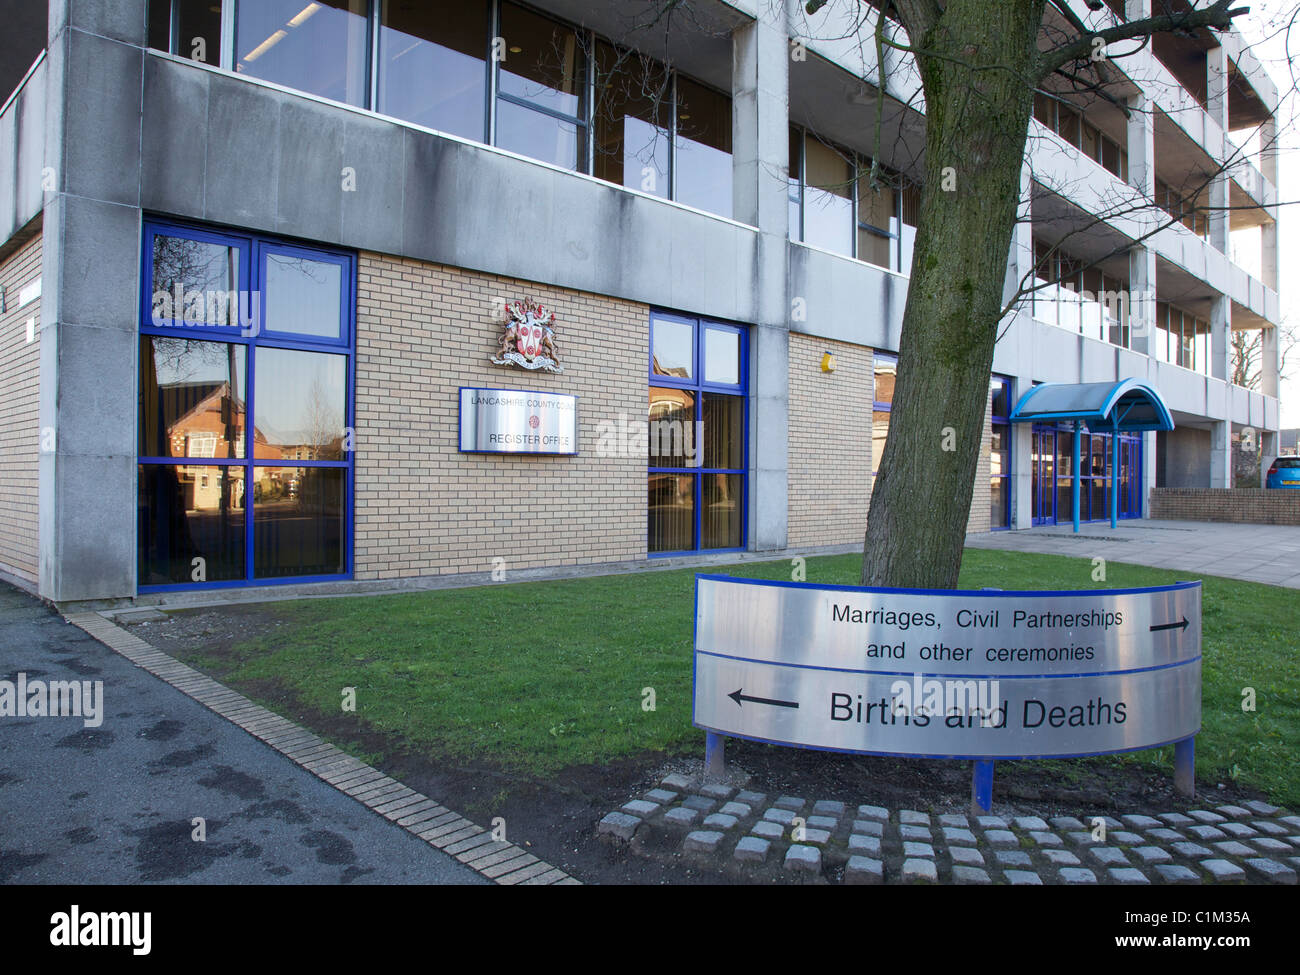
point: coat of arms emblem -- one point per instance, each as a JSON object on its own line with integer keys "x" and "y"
{"x": 529, "y": 338}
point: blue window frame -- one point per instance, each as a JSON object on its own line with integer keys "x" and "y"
{"x": 1000, "y": 454}
{"x": 697, "y": 435}
{"x": 245, "y": 425}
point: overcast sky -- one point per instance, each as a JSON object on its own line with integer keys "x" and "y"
{"x": 1264, "y": 28}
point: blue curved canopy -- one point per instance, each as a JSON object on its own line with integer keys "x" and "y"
{"x": 1129, "y": 404}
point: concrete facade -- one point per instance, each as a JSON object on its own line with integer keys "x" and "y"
{"x": 105, "y": 132}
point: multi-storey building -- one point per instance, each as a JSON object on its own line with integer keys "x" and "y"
{"x": 255, "y": 254}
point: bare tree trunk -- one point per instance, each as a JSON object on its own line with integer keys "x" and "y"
{"x": 978, "y": 72}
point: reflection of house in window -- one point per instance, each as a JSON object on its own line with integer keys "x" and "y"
{"x": 683, "y": 372}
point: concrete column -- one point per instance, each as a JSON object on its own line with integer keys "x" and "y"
{"x": 1268, "y": 150}
{"x": 1150, "y": 463}
{"x": 760, "y": 91}
{"x": 1216, "y": 68}
{"x": 1022, "y": 472}
{"x": 1220, "y": 338}
{"x": 1141, "y": 133}
{"x": 1268, "y": 444}
{"x": 1221, "y": 454}
{"x": 1020, "y": 260}
{"x": 1269, "y": 362}
{"x": 1268, "y": 232}
{"x": 1142, "y": 297}
{"x": 91, "y": 246}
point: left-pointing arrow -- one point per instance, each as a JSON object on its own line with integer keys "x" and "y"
{"x": 739, "y": 695}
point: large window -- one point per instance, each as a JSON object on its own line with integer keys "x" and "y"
{"x": 320, "y": 47}
{"x": 190, "y": 28}
{"x": 245, "y": 411}
{"x": 696, "y": 435}
{"x": 632, "y": 118}
{"x": 541, "y": 89}
{"x": 885, "y": 372}
{"x": 488, "y": 70}
{"x": 432, "y": 64}
{"x": 1083, "y": 299}
{"x": 1071, "y": 125}
{"x": 838, "y": 205}
{"x": 1181, "y": 338}
{"x": 1183, "y": 209}
{"x": 1000, "y": 453}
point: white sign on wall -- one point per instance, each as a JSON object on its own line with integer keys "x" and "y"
{"x": 517, "y": 421}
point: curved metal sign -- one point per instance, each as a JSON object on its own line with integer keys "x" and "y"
{"x": 948, "y": 673}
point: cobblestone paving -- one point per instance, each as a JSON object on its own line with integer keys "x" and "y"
{"x": 764, "y": 837}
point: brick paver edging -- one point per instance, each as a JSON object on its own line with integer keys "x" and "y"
{"x": 504, "y": 863}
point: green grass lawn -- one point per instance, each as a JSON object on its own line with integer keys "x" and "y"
{"x": 536, "y": 676}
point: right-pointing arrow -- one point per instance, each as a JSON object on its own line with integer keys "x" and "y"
{"x": 1170, "y": 626}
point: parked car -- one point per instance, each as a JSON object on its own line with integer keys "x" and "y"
{"x": 1284, "y": 473}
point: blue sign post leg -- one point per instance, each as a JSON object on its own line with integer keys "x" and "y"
{"x": 1185, "y": 767}
{"x": 981, "y": 788}
{"x": 715, "y": 757}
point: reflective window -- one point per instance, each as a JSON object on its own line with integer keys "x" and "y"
{"x": 721, "y": 356}
{"x": 543, "y": 64}
{"x": 910, "y": 199}
{"x": 796, "y": 184}
{"x": 191, "y": 524}
{"x": 632, "y": 120}
{"x": 303, "y": 296}
{"x": 696, "y": 436}
{"x": 541, "y": 87}
{"x": 244, "y": 449}
{"x": 828, "y": 197}
{"x": 671, "y": 506}
{"x": 724, "y": 431}
{"x": 1000, "y": 453}
{"x": 432, "y": 64}
{"x": 703, "y": 148}
{"x": 299, "y": 405}
{"x": 885, "y": 372}
{"x": 196, "y": 282}
{"x": 673, "y": 348}
{"x": 537, "y": 135}
{"x": 720, "y": 518}
{"x": 318, "y": 47}
{"x": 191, "y": 398}
{"x": 188, "y": 28}
{"x": 671, "y": 437}
{"x": 299, "y": 520}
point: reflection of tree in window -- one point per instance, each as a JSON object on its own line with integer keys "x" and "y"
{"x": 210, "y": 270}
{"x": 632, "y": 120}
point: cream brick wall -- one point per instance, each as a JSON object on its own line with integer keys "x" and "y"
{"x": 830, "y": 446}
{"x": 20, "y": 373}
{"x": 830, "y": 442}
{"x": 423, "y": 508}
{"x": 981, "y": 515}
